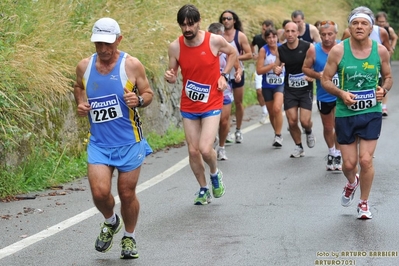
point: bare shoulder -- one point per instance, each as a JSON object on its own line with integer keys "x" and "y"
{"x": 335, "y": 55}
{"x": 215, "y": 38}
{"x": 174, "y": 47}
{"x": 382, "y": 50}
{"x": 242, "y": 36}
{"x": 337, "y": 50}
{"x": 82, "y": 65}
{"x": 313, "y": 27}
{"x": 133, "y": 63}
{"x": 311, "y": 50}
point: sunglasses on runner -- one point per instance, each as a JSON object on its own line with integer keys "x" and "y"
{"x": 227, "y": 18}
{"x": 324, "y": 22}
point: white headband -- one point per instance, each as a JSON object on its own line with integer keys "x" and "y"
{"x": 361, "y": 15}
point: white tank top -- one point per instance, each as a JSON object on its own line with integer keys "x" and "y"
{"x": 375, "y": 34}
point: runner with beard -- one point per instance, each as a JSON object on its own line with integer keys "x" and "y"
{"x": 196, "y": 52}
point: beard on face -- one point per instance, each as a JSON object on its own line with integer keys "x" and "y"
{"x": 189, "y": 35}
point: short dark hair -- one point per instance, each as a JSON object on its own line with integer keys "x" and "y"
{"x": 270, "y": 31}
{"x": 189, "y": 12}
{"x": 237, "y": 23}
{"x": 268, "y": 23}
{"x": 381, "y": 14}
{"x": 297, "y": 13}
{"x": 285, "y": 22}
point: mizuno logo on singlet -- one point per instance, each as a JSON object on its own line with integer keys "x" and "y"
{"x": 364, "y": 96}
{"x": 103, "y": 104}
{"x": 197, "y": 88}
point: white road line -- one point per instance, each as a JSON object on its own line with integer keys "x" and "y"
{"x": 26, "y": 242}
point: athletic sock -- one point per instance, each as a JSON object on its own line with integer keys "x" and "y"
{"x": 353, "y": 184}
{"x": 363, "y": 201}
{"x": 133, "y": 235}
{"x": 111, "y": 220}
{"x": 300, "y": 145}
{"x": 264, "y": 109}
{"x": 215, "y": 174}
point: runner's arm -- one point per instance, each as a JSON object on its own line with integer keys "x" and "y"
{"x": 385, "y": 70}
{"x": 173, "y": 53}
{"x": 334, "y": 57}
{"x": 307, "y": 67}
{"x": 246, "y": 49}
{"x": 314, "y": 33}
{"x": 260, "y": 67}
{"x": 394, "y": 38}
{"x": 79, "y": 92}
{"x": 136, "y": 73}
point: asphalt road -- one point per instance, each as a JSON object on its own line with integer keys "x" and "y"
{"x": 276, "y": 210}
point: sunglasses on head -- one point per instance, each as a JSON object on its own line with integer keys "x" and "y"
{"x": 227, "y": 18}
{"x": 324, "y": 22}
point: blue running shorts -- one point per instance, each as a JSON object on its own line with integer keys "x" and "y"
{"x": 196, "y": 116}
{"x": 124, "y": 158}
{"x": 365, "y": 126}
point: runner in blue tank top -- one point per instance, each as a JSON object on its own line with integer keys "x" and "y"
{"x": 313, "y": 66}
{"x": 110, "y": 87}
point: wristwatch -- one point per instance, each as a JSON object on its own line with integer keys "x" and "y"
{"x": 141, "y": 101}
{"x": 226, "y": 76}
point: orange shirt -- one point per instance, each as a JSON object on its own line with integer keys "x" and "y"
{"x": 200, "y": 70}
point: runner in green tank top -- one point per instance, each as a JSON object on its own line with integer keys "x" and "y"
{"x": 360, "y": 77}
{"x": 358, "y": 61}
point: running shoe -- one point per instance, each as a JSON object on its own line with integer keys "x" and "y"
{"x": 363, "y": 211}
{"x": 264, "y": 118}
{"x": 129, "y": 250}
{"x": 278, "y": 142}
{"x": 310, "y": 140}
{"x": 203, "y": 197}
{"x": 104, "y": 240}
{"x": 330, "y": 163}
{"x": 337, "y": 163}
{"x": 230, "y": 138}
{"x": 217, "y": 185}
{"x": 298, "y": 152}
{"x": 221, "y": 154}
{"x": 239, "y": 136}
{"x": 384, "y": 111}
{"x": 349, "y": 193}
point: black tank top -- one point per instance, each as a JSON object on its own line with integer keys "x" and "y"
{"x": 306, "y": 35}
{"x": 293, "y": 60}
